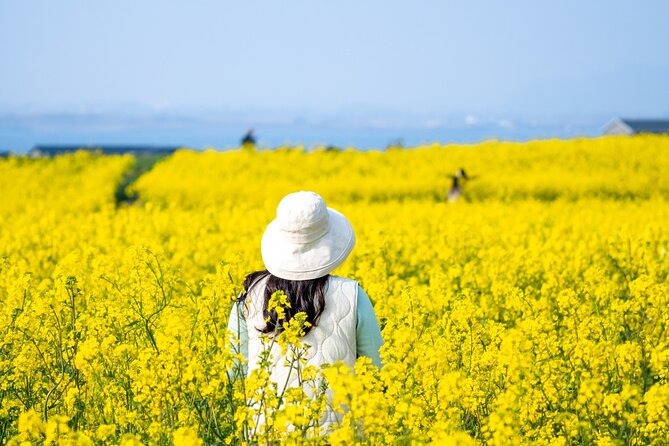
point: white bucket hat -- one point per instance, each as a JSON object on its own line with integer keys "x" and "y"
{"x": 306, "y": 240}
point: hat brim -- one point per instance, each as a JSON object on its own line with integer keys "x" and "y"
{"x": 305, "y": 261}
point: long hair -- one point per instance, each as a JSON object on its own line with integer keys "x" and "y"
{"x": 306, "y": 296}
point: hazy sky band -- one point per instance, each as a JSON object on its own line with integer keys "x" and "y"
{"x": 527, "y": 57}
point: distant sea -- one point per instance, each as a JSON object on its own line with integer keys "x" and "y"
{"x": 20, "y": 132}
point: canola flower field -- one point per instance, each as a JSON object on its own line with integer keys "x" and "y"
{"x": 533, "y": 311}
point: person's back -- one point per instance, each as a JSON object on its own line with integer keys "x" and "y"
{"x": 300, "y": 248}
{"x": 333, "y": 339}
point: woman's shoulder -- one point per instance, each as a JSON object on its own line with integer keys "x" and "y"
{"x": 341, "y": 279}
{"x": 348, "y": 286}
{"x": 254, "y": 300}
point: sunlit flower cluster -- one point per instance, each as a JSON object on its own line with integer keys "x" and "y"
{"x": 531, "y": 311}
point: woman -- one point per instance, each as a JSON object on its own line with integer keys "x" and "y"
{"x": 300, "y": 248}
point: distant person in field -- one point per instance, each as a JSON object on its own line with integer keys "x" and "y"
{"x": 249, "y": 139}
{"x": 300, "y": 248}
{"x": 455, "y": 192}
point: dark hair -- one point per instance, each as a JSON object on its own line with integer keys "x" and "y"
{"x": 306, "y": 296}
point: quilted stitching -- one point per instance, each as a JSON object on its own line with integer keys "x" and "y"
{"x": 334, "y": 339}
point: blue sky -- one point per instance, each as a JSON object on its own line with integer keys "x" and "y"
{"x": 471, "y": 57}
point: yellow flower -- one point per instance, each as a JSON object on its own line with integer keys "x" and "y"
{"x": 532, "y": 311}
